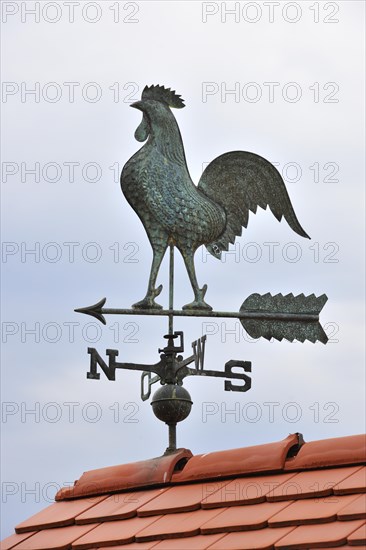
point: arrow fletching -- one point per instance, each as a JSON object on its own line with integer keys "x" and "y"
{"x": 284, "y": 317}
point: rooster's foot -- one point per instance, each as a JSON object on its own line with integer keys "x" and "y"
{"x": 199, "y": 302}
{"x": 149, "y": 301}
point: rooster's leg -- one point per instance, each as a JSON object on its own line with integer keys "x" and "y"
{"x": 199, "y": 293}
{"x": 149, "y": 301}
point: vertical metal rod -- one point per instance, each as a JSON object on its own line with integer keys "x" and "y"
{"x": 171, "y": 288}
{"x": 172, "y": 437}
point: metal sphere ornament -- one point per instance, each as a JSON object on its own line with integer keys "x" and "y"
{"x": 171, "y": 403}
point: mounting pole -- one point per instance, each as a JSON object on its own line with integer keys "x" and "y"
{"x": 172, "y": 439}
{"x": 171, "y": 288}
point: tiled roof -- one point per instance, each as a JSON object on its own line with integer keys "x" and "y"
{"x": 285, "y": 495}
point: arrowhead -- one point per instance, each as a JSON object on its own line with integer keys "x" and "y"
{"x": 94, "y": 310}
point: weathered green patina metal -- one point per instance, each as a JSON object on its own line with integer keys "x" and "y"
{"x": 177, "y": 214}
{"x": 281, "y": 317}
{"x": 157, "y": 184}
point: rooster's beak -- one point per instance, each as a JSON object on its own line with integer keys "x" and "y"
{"x": 137, "y": 105}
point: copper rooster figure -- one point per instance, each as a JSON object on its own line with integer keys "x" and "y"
{"x": 157, "y": 184}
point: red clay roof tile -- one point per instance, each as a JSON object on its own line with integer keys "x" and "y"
{"x": 118, "y": 506}
{"x": 309, "y": 484}
{"x": 310, "y": 511}
{"x": 263, "y": 539}
{"x": 355, "y": 510}
{"x": 230, "y": 513}
{"x": 57, "y": 515}
{"x": 113, "y": 533}
{"x": 249, "y": 490}
{"x": 329, "y": 452}
{"x": 59, "y": 538}
{"x": 321, "y": 535}
{"x": 184, "y": 524}
{"x": 132, "y": 546}
{"x": 200, "y": 542}
{"x": 180, "y": 499}
{"x": 156, "y": 471}
{"x": 356, "y": 483}
{"x": 13, "y": 540}
{"x": 259, "y": 458}
{"x": 242, "y": 518}
{"x": 358, "y": 537}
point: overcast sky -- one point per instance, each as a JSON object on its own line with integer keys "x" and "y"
{"x": 282, "y": 79}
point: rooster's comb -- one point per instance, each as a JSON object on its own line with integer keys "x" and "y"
{"x": 166, "y": 95}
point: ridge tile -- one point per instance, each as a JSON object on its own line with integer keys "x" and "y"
{"x": 329, "y": 452}
{"x": 113, "y": 479}
{"x": 259, "y": 458}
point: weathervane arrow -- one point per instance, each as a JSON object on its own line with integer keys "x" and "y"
{"x": 281, "y": 317}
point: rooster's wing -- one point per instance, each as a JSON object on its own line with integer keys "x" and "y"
{"x": 166, "y": 198}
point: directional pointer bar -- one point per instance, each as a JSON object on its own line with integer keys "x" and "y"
{"x": 98, "y": 311}
{"x": 281, "y": 317}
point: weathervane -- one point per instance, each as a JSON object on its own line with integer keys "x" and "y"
{"x": 176, "y": 213}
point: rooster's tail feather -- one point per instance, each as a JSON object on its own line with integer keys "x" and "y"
{"x": 240, "y": 182}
